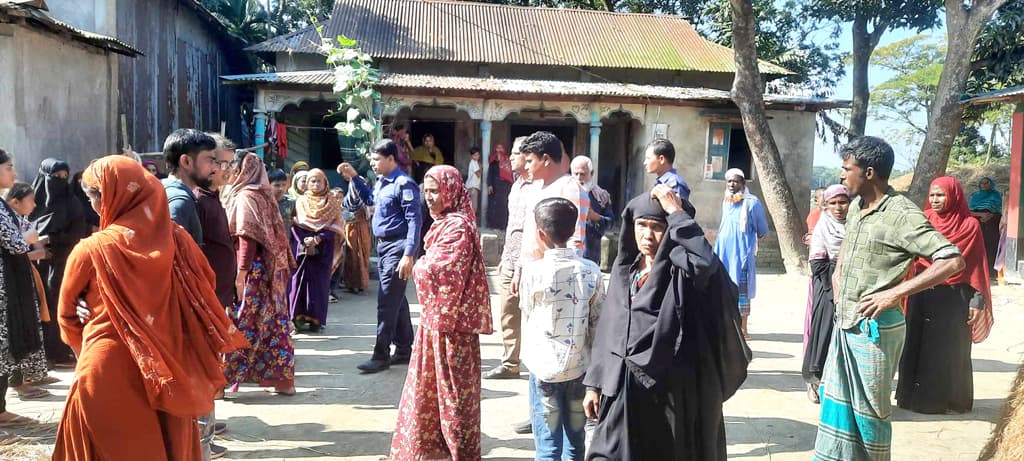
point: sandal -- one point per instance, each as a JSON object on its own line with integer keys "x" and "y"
{"x": 46, "y": 380}
{"x": 8, "y": 438}
{"x": 32, "y": 393}
{"x": 288, "y": 392}
{"x": 812, "y": 394}
{"x": 14, "y": 420}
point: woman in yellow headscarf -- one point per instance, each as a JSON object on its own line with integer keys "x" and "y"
{"x": 318, "y": 234}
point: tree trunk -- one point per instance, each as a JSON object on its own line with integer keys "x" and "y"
{"x": 864, "y": 44}
{"x": 748, "y": 94}
{"x": 946, "y": 116}
{"x": 861, "y": 91}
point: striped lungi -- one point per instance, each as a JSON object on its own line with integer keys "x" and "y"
{"x": 856, "y": 389}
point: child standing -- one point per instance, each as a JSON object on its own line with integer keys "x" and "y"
{"x": 474, "y": 178}
{"x": 31, "y": 371}
{"x": 561, "y": 296}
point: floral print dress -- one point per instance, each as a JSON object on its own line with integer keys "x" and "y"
{"x": 439, "y": 415}
{"x": 33, "y": 366}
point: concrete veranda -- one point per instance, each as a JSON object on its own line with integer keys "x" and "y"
{"x": 341, "y": 414}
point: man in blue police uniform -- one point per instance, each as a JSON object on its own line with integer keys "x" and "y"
{"x": 396, "y": 224}
{"x": 658, "y": 159}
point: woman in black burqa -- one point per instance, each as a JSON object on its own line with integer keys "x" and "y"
{"x": 60, "y": 216}
{"x": 668, "y": 350}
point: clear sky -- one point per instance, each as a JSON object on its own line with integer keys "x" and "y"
{"x": 824, "y": 153}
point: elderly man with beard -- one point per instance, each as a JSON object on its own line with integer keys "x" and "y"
{"x": 668, "y": 350}
{"x": 743, "y": 224}
{"x": 600, "y": 217}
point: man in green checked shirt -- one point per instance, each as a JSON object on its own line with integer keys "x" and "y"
{"x": 885, "y": 233}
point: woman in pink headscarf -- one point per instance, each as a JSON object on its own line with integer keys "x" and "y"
{"x": 264, "y": 265}
{"x": 499, "y": 185}
{"x": 439, "y": 416}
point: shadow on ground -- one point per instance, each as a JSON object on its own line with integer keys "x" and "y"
{"x": 771, "y": 435}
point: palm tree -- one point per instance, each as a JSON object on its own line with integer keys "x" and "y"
{"x": 247, "y": 19}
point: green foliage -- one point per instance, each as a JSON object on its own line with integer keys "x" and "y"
{"x": 916, "y": 63}
{"x": 999, "y": 54}
{"x": 823, "y": 176}
{"x": 355, "y": 79}
{"x": 247, "y": 19}
{"x": 784, "y": 36}
{"x": 257, "y": 20}
{"x": 905, "y": 99}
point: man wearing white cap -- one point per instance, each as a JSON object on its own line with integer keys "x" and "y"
{"x": 743, "y": 223}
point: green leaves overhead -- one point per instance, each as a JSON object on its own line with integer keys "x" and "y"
{"x": 355, "y": 79}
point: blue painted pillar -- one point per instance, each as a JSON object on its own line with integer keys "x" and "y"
{"x": 595, "y": 140}
{"x": 485, "y": 156}
{"x": 261, "y": 131}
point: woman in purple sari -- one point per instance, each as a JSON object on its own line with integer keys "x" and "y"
{"x": 318, "y": 235}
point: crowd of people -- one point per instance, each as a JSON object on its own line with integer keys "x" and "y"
{"x": 236, "y": 258}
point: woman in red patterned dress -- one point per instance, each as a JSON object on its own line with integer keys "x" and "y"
{"x": 439, "y": 416}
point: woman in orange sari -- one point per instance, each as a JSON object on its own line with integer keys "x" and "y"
{"x": 149, "y": 344}
{"x": 358, "y": 239}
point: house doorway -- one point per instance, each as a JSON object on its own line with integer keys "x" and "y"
{"x": 564, "y": 133}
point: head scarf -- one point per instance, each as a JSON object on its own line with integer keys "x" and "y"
{"x": 294, "y": 190}
{"x": 828, "y": 234}
{"x": 317, "y": 211}
{"x": 504, "y": 162}
{"x": 987, "y": 200}
{"x": 740, "y": 197}
{"x": 963, "y": 230}
{"x": 57, "y": 212}
{"x": 253, "y": 213}
{"x": 453, "y": 192}
{"x": 157, "y": 287}
{"x": 297, "y": 167}
{"x": 684, "y": 323}
{"x": 451, "y": 280}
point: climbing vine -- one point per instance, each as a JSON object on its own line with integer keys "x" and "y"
{"x": 355, "y": 79}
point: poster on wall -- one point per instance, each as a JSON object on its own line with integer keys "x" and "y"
{"x": 660, "y": 131}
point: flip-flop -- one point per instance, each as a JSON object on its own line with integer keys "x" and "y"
{"x": 47, "y": 380}
{"x": 278, "y": 392}
{"x": 8, "y": 439}
{"x": 18, "y": 421}
{"x": 33, "y": 394}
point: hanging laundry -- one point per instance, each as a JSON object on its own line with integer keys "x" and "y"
{"x": 281, "y": 140}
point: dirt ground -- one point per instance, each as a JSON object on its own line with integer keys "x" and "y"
{"x": 341, "y": 414}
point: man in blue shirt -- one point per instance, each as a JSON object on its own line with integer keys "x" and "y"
{"x": 191, "y": 157}
{"x": 192, "y": 160}
{"x": 396, "y": 224}
{"x": 658, "y": 159}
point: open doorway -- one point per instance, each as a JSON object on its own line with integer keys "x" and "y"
{"x": 444, "y": 136}
{"x": 564, "y": 133}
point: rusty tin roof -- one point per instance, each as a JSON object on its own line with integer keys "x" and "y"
{"x": 518, "y": 88}
{"x": 473, "y": 32}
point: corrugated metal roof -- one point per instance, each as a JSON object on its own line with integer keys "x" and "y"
{"x": 487, "y": 33}
{"x": 39, "y": 18}
{"x": 503, "y": 86}
{"x": 1012, "y": 94}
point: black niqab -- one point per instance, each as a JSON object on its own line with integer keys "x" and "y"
{"x": 58, "y": 212}
{"x": 680, "y": 330}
